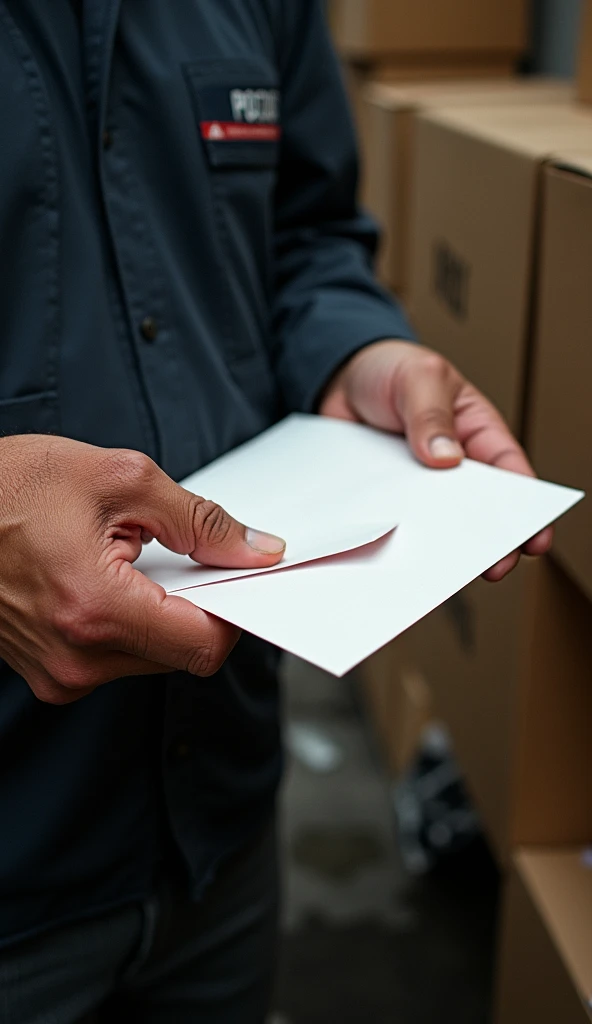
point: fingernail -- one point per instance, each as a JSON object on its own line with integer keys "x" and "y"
{"x": 445, "y": 448}
{"x": 266, "y": 543}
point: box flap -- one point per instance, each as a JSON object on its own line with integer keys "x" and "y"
{"x": 537, "y": 132}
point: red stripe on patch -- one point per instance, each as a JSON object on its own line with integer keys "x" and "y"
{"x": 232, "y": 131}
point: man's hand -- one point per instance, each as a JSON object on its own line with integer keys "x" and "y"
{"x": 411, "y": 390}
{"x": 74, "y": 613}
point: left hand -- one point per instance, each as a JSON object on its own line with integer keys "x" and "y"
{"x": 402, "y": 387}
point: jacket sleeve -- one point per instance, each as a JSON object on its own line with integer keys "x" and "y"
{"x": 327, "y": 302}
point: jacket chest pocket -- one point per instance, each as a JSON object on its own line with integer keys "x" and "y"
{"x": 29, "y": 242}
{"x": 236, "y": 103}
{"x": 237, "y": 107}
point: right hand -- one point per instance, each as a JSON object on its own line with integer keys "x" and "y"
{"x": 74, "y": 613}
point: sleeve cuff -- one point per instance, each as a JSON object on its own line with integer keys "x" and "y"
{"x": 328, "y": 339}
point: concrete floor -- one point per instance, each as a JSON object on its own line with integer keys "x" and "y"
{"x": 364, "y": 943}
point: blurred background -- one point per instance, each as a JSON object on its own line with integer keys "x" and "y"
{"x": 437, "y": 811}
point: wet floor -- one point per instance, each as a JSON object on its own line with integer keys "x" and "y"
{"x": 363, "y": 942}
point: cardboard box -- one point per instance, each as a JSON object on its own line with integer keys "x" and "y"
{"x": 559, "y": 433}
{"x": 585, "y": 55}
{"x": 398, "y": 702}
{"x": 372, "y": 28}
{"x": 411, "y": 68}
{"x": 414, "y": 69}
{"x": 386, "y": 114}
{"x": 509, "y": 667}
{"x": 473, "y": 236}
{"x": 545, "y": 971}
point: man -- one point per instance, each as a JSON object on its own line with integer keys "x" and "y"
{"x": 183, "y": 262}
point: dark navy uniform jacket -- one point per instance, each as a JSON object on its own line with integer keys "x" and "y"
{"x": 182, "y": 262}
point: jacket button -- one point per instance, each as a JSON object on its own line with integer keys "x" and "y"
{"x": 107, "y": 139}
{"x": 149, "y": 328}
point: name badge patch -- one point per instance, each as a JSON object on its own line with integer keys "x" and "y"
{"x": 240, "y": 115}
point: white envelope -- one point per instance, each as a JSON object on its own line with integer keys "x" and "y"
{"x": 325, "y": 484}
{"x": 296, "y": 481}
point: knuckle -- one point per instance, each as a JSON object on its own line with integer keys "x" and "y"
{"x": 130, "y": 469}
{"x": 207, "y": 659}
{"x": 201, "y": 662}
{"x": 433, "y": 420}
{"x": 436, "y": 365}
{"x": 211, "y": 522}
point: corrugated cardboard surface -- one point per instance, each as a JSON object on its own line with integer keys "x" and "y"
{"x": 545, "y": 972}
{"x": 386, "y": 117}
{"x": 473, "y": 236}
{"x": 560, "y": 421}
{"x": 426, "y": 26}
{"x": 585, "y": 55}
{"x": 510, "y": 671}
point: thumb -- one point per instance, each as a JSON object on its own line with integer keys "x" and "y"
{"x": 189, "y": 524}
{"x": 427, "y": 410}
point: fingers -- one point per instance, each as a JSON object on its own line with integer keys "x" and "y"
{"x": 540, "y": 544}
{"x": 484, "y": 434}
{"x": 502, "y": 568}
{"x": 125, "y": 613}
{"x": 167, "y": 630}
{"x": 487, "y": 438}
{"x": 510, "y": 456}
{"x": 426, "y": 390}
{"x": 536, "y": 546}
{"x": 184, "y": 522}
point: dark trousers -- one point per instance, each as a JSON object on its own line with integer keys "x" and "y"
{"x": 167, "y": 961}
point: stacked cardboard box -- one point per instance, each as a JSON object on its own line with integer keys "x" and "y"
{"x": 481, "y": 177}
{"x": 401, "y": 40}
{"x": 388, "y": 113}
{"x": 500, "y": 282}
{"x": 546, "y": 950}
{"x": 488, "y": 197}
{"x": 474, "y": 226}
{"x": 509, "y": 667}
{"x": 398, "y": 699}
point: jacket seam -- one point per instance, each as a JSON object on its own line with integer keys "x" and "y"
{"x": 48, "y": 198}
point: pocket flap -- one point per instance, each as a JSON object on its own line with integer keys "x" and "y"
{"x": 237, "y": 106}
{"x": 31, "y": 414}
